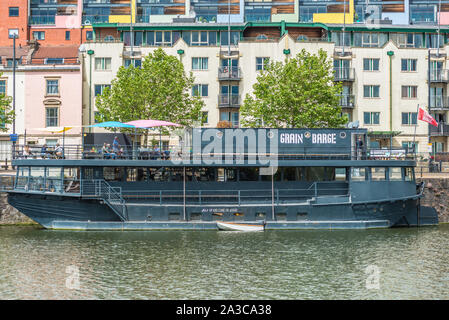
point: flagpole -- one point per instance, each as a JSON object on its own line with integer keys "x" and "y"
{"x": 414, "y": 134}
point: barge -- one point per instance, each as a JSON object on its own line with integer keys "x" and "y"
{"x": 280, "y": 178}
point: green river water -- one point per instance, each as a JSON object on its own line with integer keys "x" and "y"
{"x": 407, "y": 263}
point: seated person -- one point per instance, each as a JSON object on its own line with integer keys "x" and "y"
{"x": 59, "y": 151}
{"x": 44, "y": 152}
{"x": 27, "y": 151}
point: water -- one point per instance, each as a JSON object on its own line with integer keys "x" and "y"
{"x": 43, "y": 264}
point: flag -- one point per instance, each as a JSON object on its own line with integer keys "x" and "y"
{"x": 423, "y": 115}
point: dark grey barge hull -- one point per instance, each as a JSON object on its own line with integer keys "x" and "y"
{"x": 75, "y": 213}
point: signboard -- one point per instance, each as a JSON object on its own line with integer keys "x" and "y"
{"x": 13, "y": 137}
{"x": 275, "y": 141}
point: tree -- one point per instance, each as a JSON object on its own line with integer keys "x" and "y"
{"x": 299, "y": 93}
{"x": 6, "y": 114}
{"x": 159, "y": 90}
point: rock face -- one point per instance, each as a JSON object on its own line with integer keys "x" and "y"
{"x": 9, "y": 214}
{"x": 436, "y": 194}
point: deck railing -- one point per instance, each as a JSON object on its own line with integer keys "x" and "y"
{"x": 94, "y": 152}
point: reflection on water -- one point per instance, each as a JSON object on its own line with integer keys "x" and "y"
{"x": 37, "y": 263}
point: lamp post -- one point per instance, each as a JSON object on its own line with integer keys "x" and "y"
{"x": 14, "y": 36}
{"x": 90, "y": 53}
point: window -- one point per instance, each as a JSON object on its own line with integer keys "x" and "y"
{"x": 67, "y": 35}
{"x": 99, "y": 88}
{"x": 52, "y": 87}
{"x": 137, "y": 63}
{"x": 54, "y": 61}
{"x": 408, "y": 65}
{"x": 370, "y": 40}
{"x": 103, "y": 63}
{"x": 3, "y": 87}
{"x": 89, "y": 35}
{"x": 378, "y": 174}
{"x": 408, "y": 40}
{"x": 358, "y": 174}
{"x": 370, "y": 64}
{"x": 371, "y": 91}
{"x": 13, "y": 33}
{"x": 409, "y": 146}
{"x": 371, "y": 117}
{"x": 51, "y": 117}
{"x": 200, "y": 90}
{"x": 13, "y": 11}
{"x": 409, "y": 118}
{"x": 262, "y": 63}
{"x": 409, "y": 174}
{"x": 395, "y": 174}
{"x": 409, "y": 92}
{"x": 39, "y": 35}
{"x": 200, "y": 63}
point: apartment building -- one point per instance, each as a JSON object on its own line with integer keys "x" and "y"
{"x": 386, "y": 72}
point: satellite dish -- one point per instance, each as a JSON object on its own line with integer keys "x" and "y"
{"x": 353, "y": 125}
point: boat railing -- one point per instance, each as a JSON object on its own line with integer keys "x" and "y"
{"x": 112, "y": 196}
{"x": 128, "y": 152}
{"x": 236, "y": 197}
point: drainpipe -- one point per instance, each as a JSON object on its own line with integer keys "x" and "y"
{"x": 390, "y": 55}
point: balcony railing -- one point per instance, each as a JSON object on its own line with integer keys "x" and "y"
{"x": 439, "y": 103}
{"x": 225, "y": 100}
{"x": 229, "y": 73}
{"x": 441, "y": 131}
{"x": 344, "y": 74}
{"x": 439, "y": 75}
{"x": 347, "y": 100}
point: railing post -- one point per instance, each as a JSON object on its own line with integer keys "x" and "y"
{"x": 160, "y": 197}
{"x": 199, "y": 196}
{"x": 316, "y": 191}
{"x": 239, "y": 197}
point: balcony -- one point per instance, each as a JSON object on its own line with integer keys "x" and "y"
{"x": 441, "y": 131}
{"x": 344, "y": 74}
{"x": 347, "y": 100}
{"x": 232, "y": 73}
{"x": 229, "y": 101}
{"x": 439, "y": 103}
{"x": 438, "y": 76}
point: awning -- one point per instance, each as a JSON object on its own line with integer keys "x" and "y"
{"x": 383, "y": 134}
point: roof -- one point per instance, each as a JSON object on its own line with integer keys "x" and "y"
{"x": 7, "y": 52}
{"x": 56, "y": 52}
{"x": 68, "y": 53}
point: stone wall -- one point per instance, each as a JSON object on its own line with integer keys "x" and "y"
{"x": 9, "y": 214}
{"x": 436, "y": 194}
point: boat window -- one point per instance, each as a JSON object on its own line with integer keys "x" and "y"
{"x": 37, "y": 178}
{"x": 395, "y": 174}
{"x": 408, "y": 175}
{"x": 71, "y": 179}
{"x": 22, "y": 177}
{"x": 282, "y": 216}
{"x": 378, "y": 174}
{"x": 340, "y": 174}
{"x": 320, "y": 174}
{"x": 176, "y": 174}
{"x": 249, "y": 174}
{"x": 358, "y": 174}
{"x": 53, "y": 181}
{"x": 174, "y": 216}
{"x": 226, "y": 174}
{"x": 260, "y": 216}
{"x": 135, "y": 174}
{"x": 113, "y": 174}
{"x": 239, "y": 216}
{"x": 195, "y": 216}
{"x": 205, "y": 174}
{"x": 292, "y": 174}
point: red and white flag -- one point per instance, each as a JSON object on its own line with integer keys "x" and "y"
{"x": 423, "y": 115}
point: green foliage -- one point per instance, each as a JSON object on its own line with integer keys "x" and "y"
{"x": 6, "y": 113}
{"x": 159, "y": 90}
{"x": 299, "y": 93}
